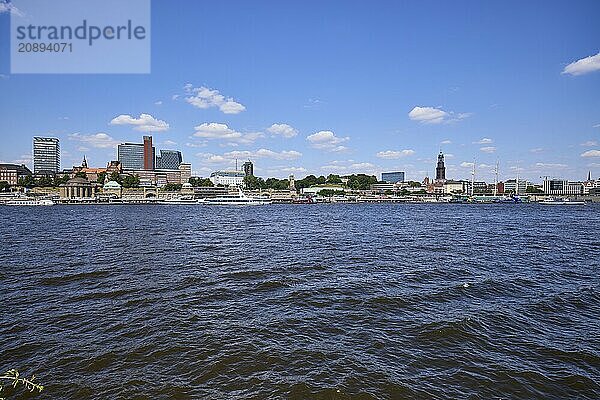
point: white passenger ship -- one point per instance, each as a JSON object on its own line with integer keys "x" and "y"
{"x": 239, "y": 199}
{"x": 30, "y": 202}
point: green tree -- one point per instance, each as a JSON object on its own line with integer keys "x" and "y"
{"x": 200, "y": 182}
{"x": 361, "y": 181}
{"x": 330, "y": 192}
{"x": 115, "y": 176}
{"x": 27, "y": 181}
{"x": 59, "y": 180}
{"x": 101, "y": 177}
{"x": 44, "y": 181}
{"x": 334, "y": 179}
{"x": 172, "y": 187}
{"x": 131, "y": 181}
{"x": 533, "y": 189}
{"x": 81, "y": 174}
{"x": 4, "y": 186}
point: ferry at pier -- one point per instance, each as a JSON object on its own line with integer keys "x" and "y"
{"x": 239, "y": 199}
{"x": 562, "y": 202}
{"x": 30, "y": 202}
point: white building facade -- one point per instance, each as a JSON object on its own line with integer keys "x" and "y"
{"x": 227, "y": 178}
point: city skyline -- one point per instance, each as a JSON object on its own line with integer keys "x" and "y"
{"x": 337, "y": 90}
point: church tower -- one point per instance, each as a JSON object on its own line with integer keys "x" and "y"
{"x": 84, "y": 163}
{"x": 440, "y": 170}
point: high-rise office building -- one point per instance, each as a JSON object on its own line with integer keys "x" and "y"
{"x": 392, "y": 177}
{"x": 46, "y": 155}
{"x": 131, "y": 156}
{"x": 440, "y": 170}
{"x": 248, "y": 168}
{"x": 137, "y": 156}
{"x": 149, "y": 154}
{"x": 169, "y": 159}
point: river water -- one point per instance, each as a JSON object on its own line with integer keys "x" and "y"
{"x": 429, "y": 301}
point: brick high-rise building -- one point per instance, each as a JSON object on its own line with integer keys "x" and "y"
{"x": 149, "y": 154}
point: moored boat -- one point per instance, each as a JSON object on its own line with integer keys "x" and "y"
{"x": 239, "y": 199}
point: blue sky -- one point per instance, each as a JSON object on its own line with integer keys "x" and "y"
{"x": 336, "y": 87}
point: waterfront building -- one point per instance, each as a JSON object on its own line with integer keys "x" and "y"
{"x": 113, "y": 188}
{"x": 46, "y": 155}
{"x": 11, "y": 173}
{"x": 158, "y": 177}
{"x": 440, "y": 170}
{"x": 169, "y": 159}
{"x": 314, "y": 190}
{"x": 562, "y": 187}
{"x": 228, "y": 178}
{"x": 91, "y": 173}
{"x": 292, "y": 183}
{"x": 510, "y": 186}
{"x": 76, "y": 188}
{"x": 383, "y": 187}
{"x": 455, "y": 187}
{"x": 392, "y": 177}
{"x": 185, "y": 170}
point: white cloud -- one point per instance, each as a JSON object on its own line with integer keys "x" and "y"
{"x": 488, "y": 149}
{"x": 144, "y": 123}
{"x": 590, "y": 143}
{"x": 393, "y": 154}
{"x": 536, "y": 150}
{"x": 204, "y": 98}
{"x": 293, "y": 170}
{"x": 550, "y": 165}
{"x": 591, "y": 153}
{"x": 596, "y": 126}
{"x": 98, "y": 140}
{"x": 240, "y": 155}
{"x": 445, "y": 142}
{"x": 24, "y": 159}
{"x": 428, "y": 115}
{"x": 196, "y": 145}
{"x": 169, "y": 143}
{"x": 217, "y": 131}
{"x": 433, "y": 115}
{"x": 326, "y": 140}
{"x": 158, "y": 103}
{"x": 583, "y": 66}
{"x": 484, "y": 141}
{"x": 465, "y": 164}
{"x": 350, "y": 167}
{"x": 284, "y": 130}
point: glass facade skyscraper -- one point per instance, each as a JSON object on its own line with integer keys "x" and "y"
{"x": 169, "y": 159}
{"x": 46, "y": 155}
{"x": 131, "y": 156}
{"x": 392, "y": 177}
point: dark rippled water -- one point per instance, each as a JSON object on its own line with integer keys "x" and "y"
{"x": 324, "y": 301}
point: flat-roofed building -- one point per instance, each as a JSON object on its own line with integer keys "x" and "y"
{"x": 392, "y": 177}
{"x": 227, "y": 178}
{"x": 186, "y": 172}
{"x": 46, "y": 155}
{"x": 131, "y": 156}
{"x": 562, "y": 187}
{"x": 11, "y": 173}
{"x": 169, "y": 159}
